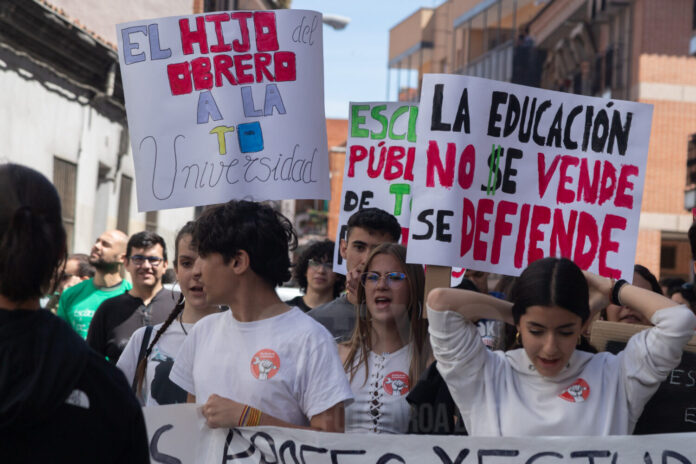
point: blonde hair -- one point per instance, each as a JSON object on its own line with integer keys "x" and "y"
{"x": 360, "y": 343}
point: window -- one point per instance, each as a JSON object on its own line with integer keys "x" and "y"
{"x": 151, "y": 221}
{"x": 668, "y": 257}
{"x": 691, "y": 161}
{"x": 124, "y": 201}
{"x": 65, "y": 180}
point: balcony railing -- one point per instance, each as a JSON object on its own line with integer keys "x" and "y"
{"x": 494, "y": 64}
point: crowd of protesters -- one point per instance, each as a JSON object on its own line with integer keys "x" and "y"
{"x": 353, "y": 354}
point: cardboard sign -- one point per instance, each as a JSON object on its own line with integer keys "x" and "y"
{"x": 178, "y": 434}
{"x": 380, "y": 160}
{"x": 174, "y": 432}
{"x": 673, "y": 407}
{"x": 269, "y": 444}
{"x": 225, "y": 105}
{"x": 513, "y": 174}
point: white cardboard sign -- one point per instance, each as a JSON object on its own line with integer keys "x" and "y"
{"x": 380, "y": 160}
{"x": 513, "y": 174}
{"x": 225, "y": 105}
{"x": 275, "y": 445}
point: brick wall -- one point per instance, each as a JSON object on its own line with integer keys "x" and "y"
{"x": 648, "y": 250}
{"x": 667, "y": 27}
{"x": 337, "y": 134}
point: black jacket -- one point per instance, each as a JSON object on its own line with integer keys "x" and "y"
{"x": 59, "y": 400}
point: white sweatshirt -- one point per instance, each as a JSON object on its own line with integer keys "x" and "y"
{"x": 501, "y": 394}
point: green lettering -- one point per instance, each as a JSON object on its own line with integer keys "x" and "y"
{"x": 356, "y": 120}
{"x": 399, "y": 111}
{"x": 412, "y": 124}
{"x": 399, "y": 190}
{"x": 377, "y": 116}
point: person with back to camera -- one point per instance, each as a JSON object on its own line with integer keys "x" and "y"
{"x": 59, "y": 400}
{"x": 389, "y": 347}
{"x": 549, "y": 387}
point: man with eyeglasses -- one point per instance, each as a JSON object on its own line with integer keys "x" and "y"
{"x": 78, "y": 303}
{"x": 147, "y": 303}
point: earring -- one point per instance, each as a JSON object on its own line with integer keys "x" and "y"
{"x": 517, "y": 339}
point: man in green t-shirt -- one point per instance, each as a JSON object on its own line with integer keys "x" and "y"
{"x": 78, "y": 303}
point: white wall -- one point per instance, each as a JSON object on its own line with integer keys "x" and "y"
{"x": 43, "y": 116}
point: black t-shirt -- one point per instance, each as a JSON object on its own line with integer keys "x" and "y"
{"x": 117, "y": 318}
{"x": 299, "y": 302}
{"x": 60, "y": 401}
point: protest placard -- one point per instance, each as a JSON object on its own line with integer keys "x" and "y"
{"x": 513, "y": 174}
{"x": 225, "y": 105}
{"x": 380, "y": 159}
{"x": 174, "y": 432}
{"x": 673, "y": 407}
{"x": 276, "y": 445}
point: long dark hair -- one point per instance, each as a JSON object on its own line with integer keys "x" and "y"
{"x": 551, "y": 282}
{"x": 178, "y": 309}
{"x": 30, "y": 217}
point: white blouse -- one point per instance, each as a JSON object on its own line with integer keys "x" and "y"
{"x": 380, "y": 404}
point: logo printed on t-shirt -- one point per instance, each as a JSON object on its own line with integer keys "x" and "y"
{"x": 577, "y": 392}
{"x": 396, "y": 383}
{"x": 265, "y": 364}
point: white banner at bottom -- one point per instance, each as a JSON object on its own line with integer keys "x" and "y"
{"x": 188, "y": 440}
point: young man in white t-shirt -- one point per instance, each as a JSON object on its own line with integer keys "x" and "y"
{"x": 262, "y": 362}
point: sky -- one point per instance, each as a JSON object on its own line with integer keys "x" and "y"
{"x": 355, "y": 58}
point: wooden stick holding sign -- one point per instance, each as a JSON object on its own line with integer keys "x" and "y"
{"x": 435, "y": 277}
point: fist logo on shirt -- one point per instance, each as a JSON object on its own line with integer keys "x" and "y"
{"x": 577, "y": 392}
{"x": 396, "y": 383}
{"x": 265, "y": 364}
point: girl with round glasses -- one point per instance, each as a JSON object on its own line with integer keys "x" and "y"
{"x": 556, "y": 388}
{"x": 389, "y": 348}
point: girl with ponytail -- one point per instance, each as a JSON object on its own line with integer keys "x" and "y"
{"x": 149, "y": 355}
{"x": 54, "y": 390}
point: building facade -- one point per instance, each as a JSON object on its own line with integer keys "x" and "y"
{"x": 640, "y": 50}
{"x": 64, "y": 112}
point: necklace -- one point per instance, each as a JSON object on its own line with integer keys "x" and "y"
{"x": 181, "y": 323}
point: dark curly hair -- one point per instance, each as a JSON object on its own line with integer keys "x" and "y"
{"x": 321, "y": 251}
{"x": 266, "y": 235}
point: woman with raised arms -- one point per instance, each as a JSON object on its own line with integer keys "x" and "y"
{"x": 548, "y": 387}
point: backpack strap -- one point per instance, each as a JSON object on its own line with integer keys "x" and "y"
{"x": 141, "y": 354}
